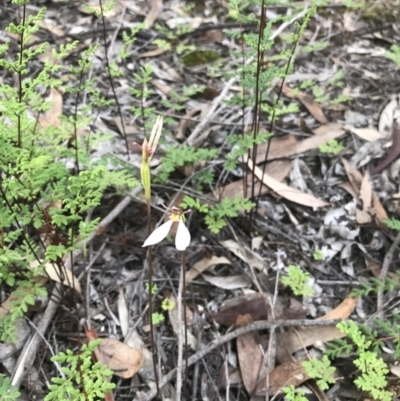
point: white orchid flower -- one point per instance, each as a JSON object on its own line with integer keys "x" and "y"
{"x": 182, "y": 238}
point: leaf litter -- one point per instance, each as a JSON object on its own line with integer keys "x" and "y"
{"x": 335, "y": 204}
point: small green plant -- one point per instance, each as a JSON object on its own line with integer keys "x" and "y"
{"x": 375, "y": 285}
{"x": 393, "y": 223}
{"x": 167, "y": 304}
{"x": 157, "y": 318}
{"x": 216, "y": 215}
{"x": 296, "y": 280}
{"x": 7, "y": 392}
{"x": 84, "y": 380}
{"x": 292, "y": 394}
{"x": 332, "y": 146}
{"x": 154, "y": 288}
{"x": 393, "y": 54}
{"x": 321, "y": 370}
{"x": 372, "y": 369}
{"x": 318, "y": 255}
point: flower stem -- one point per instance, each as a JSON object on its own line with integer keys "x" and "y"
{"x": 150, "y": 281}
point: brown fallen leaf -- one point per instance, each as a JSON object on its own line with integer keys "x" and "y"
{"x": 308, "y": 102}
{"x": 285, "y": 191}
{"x": 256, "y": 306}
{"x": 368, "y": 134}
{"x": 52, "y": 116}
{"x": 156, "y": 7}
{"x": 203, "y": 265}
{"x": 153, "y": 53}
{"x": 249, "y": 355}
{"x": 294, "y": 340}
{"x": 121, "y": 358}
{"x": 278, "y": 169}
{"x": 290, "y": 146}
{"x": 342, "y": 311}
{"x": 287, "y": 374}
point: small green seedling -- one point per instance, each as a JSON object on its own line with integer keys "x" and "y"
{"x": 332, "y": 146}
{"x": 318, "y": 255}
{"x": 296, "y": 280}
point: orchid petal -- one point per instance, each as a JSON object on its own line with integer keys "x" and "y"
{"x": 158, "y": 234}
{"x": 182, "y": 238}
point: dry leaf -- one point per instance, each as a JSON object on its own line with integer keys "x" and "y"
{"x": 285, "y": 191}
{"x": 278, "y": 169}
{"x": 249, "y": 355}
{"x": 287, "y": 374}
{"x": 251, "y": 304}
{"x": 355, "y": 178}
{"x": 342, "y": 311}
{"x": 294, "y": 340}
{"x": 155, "y": 11}
{"x": 366, "y": 192}
{"x": 230, "y": 282}
{"x": 290, "y": 146}
{"x": 244, "y": 253}
{"x": 368, "y": 134}
{"x": 203, "y": 265}
{"x": 61, "y": 275}
{"x": 308, "y": 102}
{"x": 121, "y": 358}
{"x": 52, "y": 116}
{"x": 153, "y": 53}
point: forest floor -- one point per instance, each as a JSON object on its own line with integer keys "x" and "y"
{"x": 322, "y": 209}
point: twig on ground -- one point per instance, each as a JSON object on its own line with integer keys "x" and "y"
{"x": 263, "y": 325}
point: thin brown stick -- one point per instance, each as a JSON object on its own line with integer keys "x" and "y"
{"x": 263, "y": 325}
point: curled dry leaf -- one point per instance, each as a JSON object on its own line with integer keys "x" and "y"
{"x": 60, "y": 274}
{"x": 249, "y": 355}
{"x": 203, "y": 265}
{"x": 121, "y": 358}
{"x": 285, "y": 191}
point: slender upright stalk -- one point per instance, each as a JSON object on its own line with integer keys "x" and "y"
{"x": 148, "y": 149}
{"x": 179, "y": 366}
{"x": 184, "y": 311}
{"x": 150, "y": 281}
